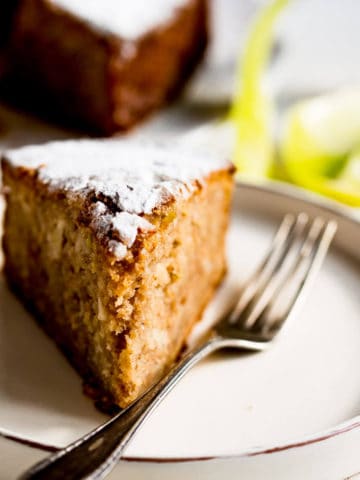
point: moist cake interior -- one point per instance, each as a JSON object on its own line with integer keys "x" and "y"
{"x": 117, "y": 247}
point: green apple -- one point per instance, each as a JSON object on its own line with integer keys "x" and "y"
{"x": 320, "y": 136}
{"x": 252, "y": 110}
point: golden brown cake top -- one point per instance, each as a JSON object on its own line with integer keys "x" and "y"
{"x": 124, "y": 179}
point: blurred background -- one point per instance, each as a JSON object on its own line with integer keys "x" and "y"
{"x": 313, "y": 50}
{"x": 316, "y": 48}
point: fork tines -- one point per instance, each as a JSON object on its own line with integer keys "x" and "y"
{"x": 295, "y": 256}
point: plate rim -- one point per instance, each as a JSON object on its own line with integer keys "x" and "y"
{"x": 284, "y": 190}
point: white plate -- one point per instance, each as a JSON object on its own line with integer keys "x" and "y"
{"x": 292, "y": 411}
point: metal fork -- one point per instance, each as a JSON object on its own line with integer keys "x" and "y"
{"x": 266, "y": 301}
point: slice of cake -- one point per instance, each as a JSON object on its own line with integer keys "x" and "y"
{"x": 105, "y": 64}
{"x": 117, "y": 247}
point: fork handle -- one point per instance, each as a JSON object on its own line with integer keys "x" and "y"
{"x": 93, "y": 456}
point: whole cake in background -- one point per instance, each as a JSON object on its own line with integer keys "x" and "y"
{"x": 117, "y": 248}
{"x": 103, "y": 65}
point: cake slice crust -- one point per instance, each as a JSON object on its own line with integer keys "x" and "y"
{"x": 118, "y": 291}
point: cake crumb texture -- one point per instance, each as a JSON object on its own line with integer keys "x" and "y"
{"x": 120, "y": 319}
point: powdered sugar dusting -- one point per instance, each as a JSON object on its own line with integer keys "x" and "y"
{"x": 133, "y": 177}
{"x": 118, "y": 249}
{"x": 126, "y": 226}
{"x": 128, "y": 19}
